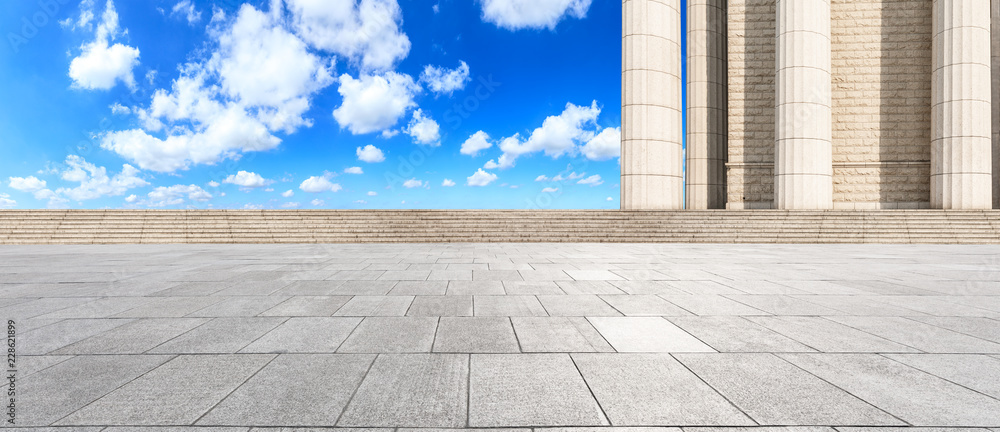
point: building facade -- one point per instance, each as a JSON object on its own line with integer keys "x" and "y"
{"x": 812, "y": 104}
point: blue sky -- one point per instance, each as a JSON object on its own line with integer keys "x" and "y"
{"x": 310, "y": 104}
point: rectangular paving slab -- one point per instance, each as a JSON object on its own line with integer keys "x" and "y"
{"x": 220, "y": 336}
{"x": 529, "y": 390}
{"x": 412, "y": 390}
{"x": 646, "y": 334}
{"x": 735, "y": 334}
{"x": 475, "y": 335}
{"x": 558, "y": 334}
{"x": 177, "y": 393}
{"x": 135, "y": 337}
{"x": 392, "y": 335}
{"x": 305, "y": 335}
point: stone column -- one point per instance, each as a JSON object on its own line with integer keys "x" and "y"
{"x": 651, "y": 161}
{"x": 961, "y": 141}
{"x": 996, "y": 103}
{"x": 707, "y": 104}
{"x": 803, "y": 153}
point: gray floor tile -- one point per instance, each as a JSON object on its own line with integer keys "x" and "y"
{"x": 450, "y": 275}
{"x": 735, "y": 334}
{"x": 558, "y": 334}
{"x": 294, "y": 390}
{"x": 308, "y": 306}
{"x": 362, "y": 306}
{"x": 643, "y": 305}
{"x": 924, "y": 337}
{"x": 254, "y": 288}
{"x": 983, "y": 328}
{"x": 703, "y": 287}
{"x": 401, "y": 275}
{"x": 712, "y": 305}
{"x": 441, "y": 306}
{"x": 581, "y": 287}
{"x": 28, "y": 365}
{"x": 70, "y": 385}
{"x": 649, "y": 287}
{"x": 305, "y": 335}
{"x": 191, "y": 289}
{"x": 168, "y": 396}
{"x": 365, "y": 287}
{"x": 243, "y": 306}
{"x": 543, "y": 275}
{"x": 475, "y": 335}
{"x": 169, "y": 307}
{"x": 509, "y": 306}
{"x": 775, "y": 392}
{"x": 863, "y": 305}
{"x": 529, "y": 390}
{"x": 475, "y": 287}
{"x": 308, "y": 288}
{"x": 593, "y": 275}
{"x": 495, "y": 275}
{"x": 646, "y": 334}
{"x": 219, "y": 336}
{"x": 356, "y": 275}
{"x": 392, "y": 335}
{"x": 420, "y": 288}
{"x": 101, "y": 308}
{"x": 827, "y": 336}
{"x": 654, "y": 389}
{"x": 576, "y": 305}
{"x": 412, "y": 390}
{"x": 47, "y": 339}
{"x": 783, "y": 305}
{"x": 136, "y": 337}
{"x": 532, "y": 288}
{"x": 977, "y": 372}
{"x": 914, "y": 396}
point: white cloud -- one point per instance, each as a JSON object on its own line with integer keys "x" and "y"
{"x": 251, "y": 206}
{"x": 119, "y": 109}
{"x": 413, "y": 183}
{"x": 606, "y": 145}
{"x": 610, "y": 199}
{"x": 445, "y": 81}
{"x": 94, "y": 181}
{"x": 176, "y": 195}
{"x": 269, "y": 190}
{"x": 259, "y": 80}
{"x": 214, "y": 184}
{"x": 370, "y": 154}
{"x": 288, "y": 193}
{"x": 374, "y": 103}
{"x": 372, "y": 193}
{"x": 27, "y": 184}
{"x": 360, "y": 202}
{"x": 447, "y": 183}
{"x": 100, "y": 64}
{"x": 246, "y": 179}
{"x": 550, "y": 190}
{"x": 354, "y": 170}
{"x": 481, "y": 178}
{"x": 593, "y": 180}
{"x": 367, "y": 32}
{"x": 571, "y": 176}
{"x": 542, "y": 178}
{"x": 316, "y": 184}
{"x": 291, "y": 205}
{"x": 477, "y": 142}
{"x": 186, "y": 10}
{"x": 532, "y": 14}
{"x": 491, "y": 165}
{"x": 6, "y": 202}
{"x": 132, "y": 199}
{"x": 318, "y": 202}
{"x": 424, "y": 130}
{"x": 557, "y": 136}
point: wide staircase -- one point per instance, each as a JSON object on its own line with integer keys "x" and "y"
{"x": 421, "y": 226}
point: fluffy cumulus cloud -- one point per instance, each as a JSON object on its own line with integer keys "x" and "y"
{"x": 542, "y": 178}
{"x": 559, "y": 135}
{"x": 367, "y": 32}
{"x": 27, "y": 184}
{"x": 424, "y": 130}
{"x": 176, "y": 195}
{"x": 317, "y": 184}
{"x": 606, "y": 145}
{"x": 318, "y": 202}
{"x": 247, "y": 180}
{"x": 259, "y": 80}
{"x": 370, "y": 154}
{"x": 532, "y": 14}
{"x": 550, "y": 190}
{"x": 413, "y": 183}
{"x": 491, "y": 165}
{"x": 354, "y": 170}
{"x": 6, "y": 202}
{"x": 594, "y": 180}
{"x": 94, "y": 182}
{"x": 445, "y": 81}
{"x": 102, "y": 63}
{"x": 481, "y": 178}
{"x": 448, "y": 183}
{"x": 288, "y": 193}
{"x": 479, "y": 141}
{"x": 374, "y": 103}
{"x": 185, "y": 9}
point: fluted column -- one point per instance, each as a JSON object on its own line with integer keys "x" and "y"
{"x": 996, "y": 103}
{"x": 707, "y": 101}
{"x": 803, "y": 153}
{"x": 651, "y": 161}
{"x": 961, "y": 141}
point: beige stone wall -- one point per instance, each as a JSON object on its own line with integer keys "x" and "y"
{"x": 750, "y": 169}
{"x": 996, "y": 103}
{"x": 881, "y": 103}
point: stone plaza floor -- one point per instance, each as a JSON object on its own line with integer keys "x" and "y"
{"x": 503, "y": 336}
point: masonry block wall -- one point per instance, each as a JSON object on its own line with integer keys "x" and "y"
{"x": 881, "y": 57}
{"x": 996, "y": 102}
